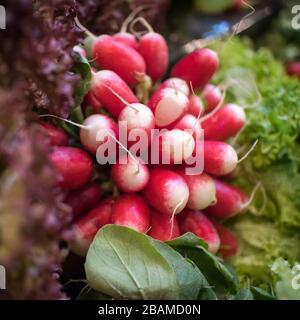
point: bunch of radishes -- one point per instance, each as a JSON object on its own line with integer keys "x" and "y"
{"x": 161, "y": 200}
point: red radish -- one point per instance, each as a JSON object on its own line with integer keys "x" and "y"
{"x": 189, "y": 122}
{"x": 177, "y": 84}
{"x": 168, "y": 105}
{"x": 175, "y": 146}
{"x": 97, "y": 124}
{"x": 57, "y": 137}
{"x": 225, "y": 123}
{"x": 105, "y": 80}
{"x": 197, "y": 67}
{"x": 80, "y": 50}
{"x": 137, "y": 116}
{"x": 86, "y": 227}
{"x": 229, "y": 244}
{"x": 163, "y": 227}
{"x": 230, "y": 201}
{"x": 84, "y": 199}
{"x": 91, "y": 101}
{"x": 212, "y": 96}
{"x": 293, "y": 68}
{"x": 74, "y": 167}
{"x": 120, "y": 58}
{"x": 153, "y": 48}
{"x": 197, "y": 223}
{"x": 167, "y": 191}
{"x": 126, "y": 38}
{"x": 202, "y": 190}
{"x": 196, "y": 107}
{"x": 132, "y": 176}
{"x": 132, "y": 211}
{"x": 219, "y": 158}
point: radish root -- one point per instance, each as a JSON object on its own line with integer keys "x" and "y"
{"x": 84, "y": 29}
{"x": 144, "y": 22}
{"x": 248, "y": 152}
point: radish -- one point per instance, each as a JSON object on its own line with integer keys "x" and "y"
{"x": 153, "y": 48}
{"x": 189, "y": 122}
{"x": 177, "y": 84}
{"x": 84, "y": 199}
{"x": 74, "y": 167}
{"x": 293, "y": 68}
{"x": 197, "y": 223}
{"x": 120, "y": 58}
{"x": 229, "y": 244}
{"x": 80, "y": 50}
{"x": 202, "y": 190}
{"x": 166, "y": 191}
{"x": 195, "y": 106}
{"x": 168, "y": 106}
{"x": 91, "y": 101}
{"x": 137, "y": 117}
{"x": 132, "y": 211}
{"x": 95, "y": 126}
{"x": 197, "y": 67}
{"x": 212, "y": 96}
{"x": 86, "y": 227}
{"x": 230, "y": 201}
{"x": 163, "y": 227}
{"x": 132, "y": 176}
{"x": 104, "y": 84}
{"x": 57, "y": 137}
{"x": 224, "y": 123}
{"x": 219, "y": 158}
{"x": 127, "y": 39}
{"x": 175, "y": 146}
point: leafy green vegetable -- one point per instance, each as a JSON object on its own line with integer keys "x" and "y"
{"x": 125, "y": 264}
{"x": 88, "y": 293}
{"x": 271, "y": 227}
{"x": 287, "y": 283}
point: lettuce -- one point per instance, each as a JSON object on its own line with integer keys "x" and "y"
{"x": 271, "y": 227}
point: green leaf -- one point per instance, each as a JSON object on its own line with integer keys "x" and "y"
{"x": 125, "y": 264}
{"x": 82, "y": 67}
{"x": 88, "y": 293}
{"x": 244, "y": 294}
{"x": 260, "y": 294}
{"x": 188, "y": 275}
{"x": 219, "y": 276}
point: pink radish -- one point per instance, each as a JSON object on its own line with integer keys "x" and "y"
{"x": 84, "y": 199}
{"x": 197, "y": 67}
{"x": 132, "y": 176}
{"x": 86, "y": 227}
{"x": 230, "y": 201}
{"x": 293, "y": 68}
{"x": 195, "y": 107}
{"x": 163, "y": 227}
{"x": 189, "y": 122}
{"x": 167, "y": 191}
{"x": 229, "y": 244}
{"x": 136, "y": 117}
{"x": 103, "y": 83}
{"x": 212, "y": 96}
{"x": 91, "y": 101}
{"x": 132, "y": 211}
{"x": 202, "y": 190}
{"x": 175, "y": 146}
{"x": 97, "y": 124}
{"x": 120, "y": 58}
{"x": 57, "y": 137}
{"x": 224, "y": 123}
{"x": 127, "y": 39}
{"x": 168, "y": 106}
{"x": 74, "y": 167}
{"x": 219, "y": 158}
{"x": 153, "y": 48}
{"x": 197, "y": 223}
{"x": 177, "y": 84}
